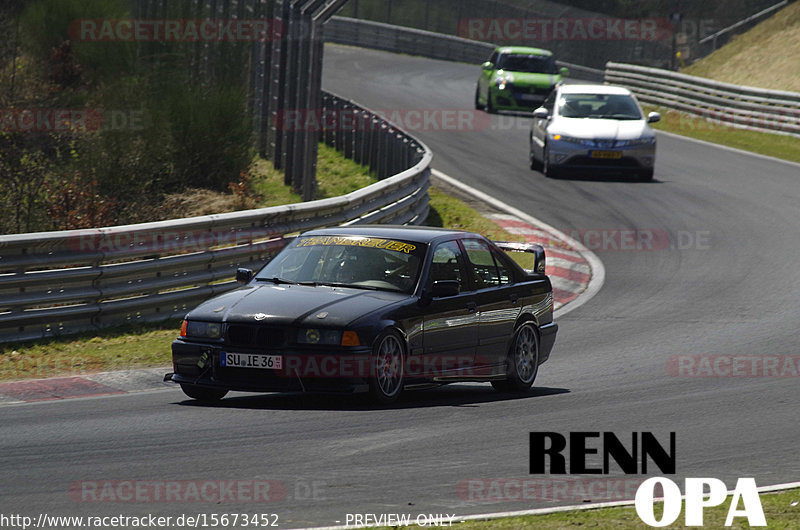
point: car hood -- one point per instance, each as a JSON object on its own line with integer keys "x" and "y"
{"x": 596, "y": 128}
{"x": 537, "y": 80}
{"x": 294, "y": 305}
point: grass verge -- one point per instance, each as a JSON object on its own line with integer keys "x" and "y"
{"x": 781, "y": 510}
{"x": 679, "y": 122}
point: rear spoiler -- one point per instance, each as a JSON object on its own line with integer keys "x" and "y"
{"x": 531, "y": 248}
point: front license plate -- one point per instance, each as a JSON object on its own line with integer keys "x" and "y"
{"x": 530, "y": 97}
{"x": 251, "y": 360}
{"x": 607, "y": 154}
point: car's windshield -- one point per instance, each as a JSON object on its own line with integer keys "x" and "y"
{"x": 608, "y": 106}
{"x": 351, "y": 261}
{"x": 527, "y": 63}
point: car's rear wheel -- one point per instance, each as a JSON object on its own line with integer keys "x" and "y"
{"x": 207, "y": 395}
{"x": 388, "y": 367}
{"x": 522, "y": 363}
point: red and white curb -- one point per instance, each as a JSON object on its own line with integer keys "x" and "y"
{"x": 576, "y": 273}
{"x": 568, "y": 269}
{"x": 92, "y": 385}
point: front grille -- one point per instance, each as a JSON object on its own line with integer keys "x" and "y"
{"x": 603, "y": 162}
{"x": 532, "y": 90}
{"x": 255, "y": 336}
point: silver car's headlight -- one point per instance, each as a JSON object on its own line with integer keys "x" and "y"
{"x": 572, "y": 139}
{"x": 651, "y": 140}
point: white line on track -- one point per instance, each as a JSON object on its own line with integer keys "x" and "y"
{"x": 557, "y": 509}
{"x": 728, "y": 148}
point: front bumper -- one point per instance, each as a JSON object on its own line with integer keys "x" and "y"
{"x": 580, "y": 158}
{"x": 316, "y": 370}
{"x": 520, "y": 99}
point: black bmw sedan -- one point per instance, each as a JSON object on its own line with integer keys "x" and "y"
{"x": 373, "y": 309}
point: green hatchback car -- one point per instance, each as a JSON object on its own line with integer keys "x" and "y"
{"x": 517, "y": 78}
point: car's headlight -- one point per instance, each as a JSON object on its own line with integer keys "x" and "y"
{"x": 328, "y": 337}
{"x": 572, "y": 139}
{"x": 319, "y": 336}
{"x": 504, "y": 80}
{"x": 202, "y": 330}
{"x": 650, "y": 140}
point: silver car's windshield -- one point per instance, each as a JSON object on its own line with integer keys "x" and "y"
{"x": 349, "y": 261}
{"x": 604, "y": 106}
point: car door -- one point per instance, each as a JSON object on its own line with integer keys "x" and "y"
{"x": 539, "y": 127}
{"x": 497, "y": 298}
{"x": 450, "y": 323}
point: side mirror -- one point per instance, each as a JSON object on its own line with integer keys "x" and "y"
{"x": 564, "y": 71}
{"x": 244, "y": 275}
{"x": 541, "y": 113}
{"x": 443, "y": 288}
{"x": 487, "y": 65}
{"x": 653, "y": 117}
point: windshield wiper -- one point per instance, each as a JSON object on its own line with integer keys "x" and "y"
{"x": 617, "y": 117}
{"x": 349, "y": 285}
{"x": 278, "y": 281}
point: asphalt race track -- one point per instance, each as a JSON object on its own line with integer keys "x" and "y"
{"x": 726, "y": 284}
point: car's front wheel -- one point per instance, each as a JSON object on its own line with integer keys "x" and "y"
{"x": 547, "y": 168}
{"x": 646, "y": 175}
{"x": 522, "y": 363}
{"x": 388, "y": 367}
{"x": 489, "y": 107}
{"x": 535, "y": 164}
{"x": 478, "y": 105}
{"x": 207, "y": 395}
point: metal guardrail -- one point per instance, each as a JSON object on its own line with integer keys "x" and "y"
{"x": 744, "y": 107}
{"x": 398, "y": 39}
{"x": 722, "y": 36}
{"x": 54, "y": 283}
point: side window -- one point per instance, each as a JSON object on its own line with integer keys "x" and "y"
{"x": 482, "y": 265}
{"x": 506, "y": 275}
{"x": 446, "y": 264}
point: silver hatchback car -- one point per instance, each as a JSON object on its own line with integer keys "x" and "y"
{"x": 593, "y": 129}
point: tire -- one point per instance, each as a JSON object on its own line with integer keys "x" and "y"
{"x": 522, "y": 363}
{"x": 478, "y": 105}
{"x": 489, "y": 107}
{"x": 646, "y": 175}
{"x": 535, "y": 164}
{"x": 388, "y": 367}
{"x": 548, "y": 170}
{"x": 207, "y": 395}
